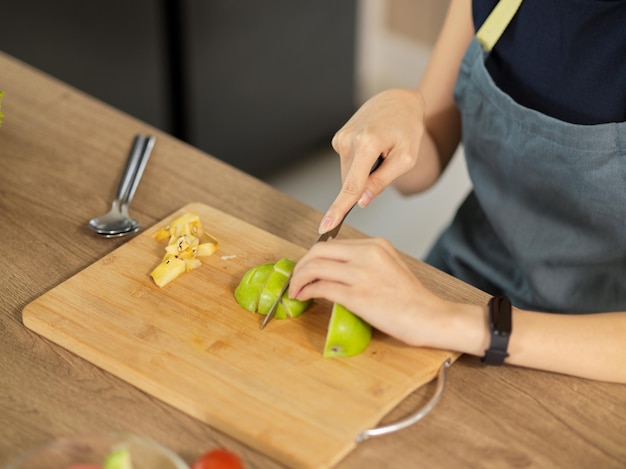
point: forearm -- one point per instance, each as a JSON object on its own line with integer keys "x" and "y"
{"x": 590, "y": 346}
{"x": 436, "y": 150}
{"x": 430, "y": 164}
{"x": 442, "y": 121}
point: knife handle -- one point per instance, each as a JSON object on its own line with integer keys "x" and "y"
{"x": 377, "y": 163}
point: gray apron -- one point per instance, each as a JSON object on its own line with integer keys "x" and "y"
{"x": 545, "y": 224}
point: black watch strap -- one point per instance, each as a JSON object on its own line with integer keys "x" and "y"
{"x": 500, "y": 326}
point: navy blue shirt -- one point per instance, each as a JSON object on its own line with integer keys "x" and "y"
{"x": 564, "y": 58}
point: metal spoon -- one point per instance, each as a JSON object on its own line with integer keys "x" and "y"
{"x": 145, "y": 151}
{"x": 117, "y": 222}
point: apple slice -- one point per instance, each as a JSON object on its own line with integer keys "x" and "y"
{"x": 251, "y": 285}
{"x": 347, "y": 335}
{"x": 260, "y": 285}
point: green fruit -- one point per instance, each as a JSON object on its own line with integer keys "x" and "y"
{"x": 260, "y": 286}
{"x": 118, "y": 459}
{"x": 284, "y": 266}
{"x": 347, "y": 335}
{"x": 249, "y": 289}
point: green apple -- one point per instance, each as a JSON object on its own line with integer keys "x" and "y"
{"x": 284, "y": 266}
{"x": 251, "y": 285}
{"x": 347, "y": 334}
{"x": 260, "y": 286}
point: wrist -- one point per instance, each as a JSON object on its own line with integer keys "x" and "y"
{"x": 462, "y": 327}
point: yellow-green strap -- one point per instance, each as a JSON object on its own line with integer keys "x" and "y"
{"x": 496, "y": 23}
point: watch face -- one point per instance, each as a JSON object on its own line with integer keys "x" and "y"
{"x": 500, "y": 324}
{"x": 500, "y": 312}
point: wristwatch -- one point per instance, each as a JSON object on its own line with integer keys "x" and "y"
{"x": 500, "y": 326}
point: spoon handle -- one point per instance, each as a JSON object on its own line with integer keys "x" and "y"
{"x": 129, "y": 171}
{"x": 145, "y": 149}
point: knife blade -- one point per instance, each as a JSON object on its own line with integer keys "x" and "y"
{"x": 331, "y": 234}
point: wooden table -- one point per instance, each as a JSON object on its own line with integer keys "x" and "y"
{"x": 61, "y": 154}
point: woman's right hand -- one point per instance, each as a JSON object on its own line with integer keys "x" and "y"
{"x": 389, "y": 124}
{"x": 416, "y": 131}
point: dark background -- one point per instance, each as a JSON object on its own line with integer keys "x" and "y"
{"x": 255, "y": 83}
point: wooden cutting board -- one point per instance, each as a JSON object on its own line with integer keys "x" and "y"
{"x": 192, "y": 346}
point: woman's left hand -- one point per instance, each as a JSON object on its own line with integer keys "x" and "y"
{"x": 368, "y": 277}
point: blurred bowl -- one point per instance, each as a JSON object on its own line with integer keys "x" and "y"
{"x": 71, "y": 452}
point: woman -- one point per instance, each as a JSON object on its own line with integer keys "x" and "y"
{"x": 541, "y": 115}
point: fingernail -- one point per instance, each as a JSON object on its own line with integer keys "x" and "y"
{"x": 366, "y": 198}
{"x": 325, "y": 224}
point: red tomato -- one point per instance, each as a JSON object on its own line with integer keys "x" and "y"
{"x": 219, "y": 458}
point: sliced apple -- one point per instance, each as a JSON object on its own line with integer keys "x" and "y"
{"x": 260, "y": 286}
{"x": 347, "y": 334}
{"x": 251, "y": 285}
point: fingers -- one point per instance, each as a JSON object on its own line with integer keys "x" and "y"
{"x": 328, "y": 266}
{"x": 389, "y": 124}
{"x": 360, "y": 187}
{"x": 369, "y": 278}
{"x": 321, "y": 261}
{"x": 357, "y": 187}
{"x": 354, "y": 176}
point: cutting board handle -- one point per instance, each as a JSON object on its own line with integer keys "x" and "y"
{"x": 411, "y": 419}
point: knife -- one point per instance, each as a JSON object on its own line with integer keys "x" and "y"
{"x": 331, "y": 234}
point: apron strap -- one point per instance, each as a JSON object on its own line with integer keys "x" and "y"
{"x": 496, "y": 23}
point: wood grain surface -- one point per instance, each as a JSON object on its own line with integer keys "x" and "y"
{"x": 191, "y": 345}
{"x": 61, "y": 155}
